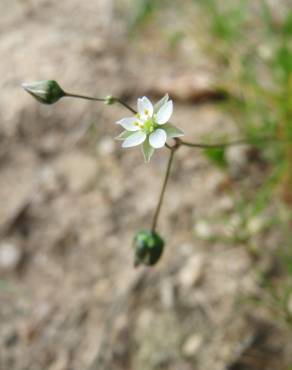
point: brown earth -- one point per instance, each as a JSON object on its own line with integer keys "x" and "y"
{"x": 71, "y": 200}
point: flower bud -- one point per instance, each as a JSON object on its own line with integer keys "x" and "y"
{"x": 46, "y": 91}
{"x": 109, "y": 100}
{"x": 148, "y": 247}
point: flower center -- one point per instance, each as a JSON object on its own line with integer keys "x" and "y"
{"x": 149, "y": 126}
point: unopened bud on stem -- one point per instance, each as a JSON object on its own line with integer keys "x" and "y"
{"x": 46, "y": 91}
{"x": 148, "y": 246}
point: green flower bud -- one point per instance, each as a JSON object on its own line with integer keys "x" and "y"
{"x": 46, "y": 91}
{"x": 148, "y": 247}
{"x": 109, "y": 100}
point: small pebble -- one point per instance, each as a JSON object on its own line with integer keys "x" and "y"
{"x": 203, "y": 230}
{"x": 10, "y": 256}
{"x": 192, "y": 272}
{"x": 192, "y": 345}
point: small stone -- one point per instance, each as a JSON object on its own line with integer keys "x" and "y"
{"x": 256, "y": 225}
{"x": 225, "y": 204}
{"x": 203, "y": 230}
{"x": 106, "y": 146}
{"x": 192, "y": 345}
{"x": 237, "y": 159}
{"x": 48, "y": 181}
{"x": 192, "y": 272}
{"x": 10, "y": 256}
{"x": 167, "y": 293}
{"x": 265, "y": 51}
{"x": 233, "y": 226}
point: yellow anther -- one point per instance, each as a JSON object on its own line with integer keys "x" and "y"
{"x": 146, "y": 112}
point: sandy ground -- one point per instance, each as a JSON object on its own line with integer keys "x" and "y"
{"x": 71, "y": 201}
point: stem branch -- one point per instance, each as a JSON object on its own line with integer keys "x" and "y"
{"x": 69, "y": 95}
{"x": 160, "y": 201}
{"x": 125, "y": 105}
{"x": 224, "y": 145}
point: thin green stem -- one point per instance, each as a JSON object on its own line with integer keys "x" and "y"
{"x": 227, "y": 144}
{"x": 168, "y": 146}
{"x": 69, "y": 95}
{"x": 165, "y": 181}
{"x": 215, "y": 145}
{"x": 113, "y": 100}
{"x": 125, "y": 105}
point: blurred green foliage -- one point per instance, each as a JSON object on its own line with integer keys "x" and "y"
{"x": 226, "y": 21}
{"x": 256, "y": 50}
{"x": 142, "y": 12}
{"x": 217, "y": 156}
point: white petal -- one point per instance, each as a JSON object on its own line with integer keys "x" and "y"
{"x": 145, "y": 108}
{"x": 164, "y": 113}
{"x": 158, "y": 138}
{"x": 135, "y": 139}
{"x": 130, "y": 123}
{"x": 160, "y": 103}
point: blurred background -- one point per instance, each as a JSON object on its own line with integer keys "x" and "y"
{"x": 71, "y": 199}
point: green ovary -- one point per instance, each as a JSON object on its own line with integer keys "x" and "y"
{"x": 149, "y": 126}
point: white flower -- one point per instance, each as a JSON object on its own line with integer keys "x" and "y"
{"x": 149, "y": 126}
